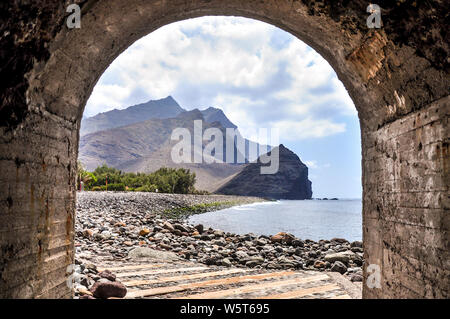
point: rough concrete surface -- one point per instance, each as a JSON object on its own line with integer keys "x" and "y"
{"x": 397, "y": 77}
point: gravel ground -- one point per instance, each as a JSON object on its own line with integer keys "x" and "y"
{"x": 142, "y": 204}
{"x": 115, "y": 225}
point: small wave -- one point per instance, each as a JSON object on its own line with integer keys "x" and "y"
{"x": 258, "y": 204}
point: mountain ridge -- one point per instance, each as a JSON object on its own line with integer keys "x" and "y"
{"x": 145, "y": 145}
{"x": 162, "y": 108}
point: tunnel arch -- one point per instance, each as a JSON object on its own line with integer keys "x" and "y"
{"x": 400, "y": 92}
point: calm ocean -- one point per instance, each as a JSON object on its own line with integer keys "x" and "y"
{"x": 306, "y": 219}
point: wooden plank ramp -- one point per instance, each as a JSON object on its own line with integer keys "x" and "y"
{"x": 196, "y": 281}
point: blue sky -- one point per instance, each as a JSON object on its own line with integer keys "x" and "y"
{"x": 260, "y": 76}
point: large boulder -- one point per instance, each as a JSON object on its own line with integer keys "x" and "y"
{"x": 339, "y": 267}
{"x": 339, "y": 240}
{"x": 283, "y": 238}
{"x": 254, "y": 261}
{"x": 107, "y": 275}
{"x": 357, "y": 243}
{"x": 152, "y": 254}
{"x": 108, "y": 289}
{"x": 356, "y": 277}
{"x": 242, "y": 256}
{"x": 344, "y": 257}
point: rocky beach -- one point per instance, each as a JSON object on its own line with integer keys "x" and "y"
{"x": 113, "y": 226}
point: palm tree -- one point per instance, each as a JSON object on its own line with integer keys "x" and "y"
{"x": 84, "y": 176}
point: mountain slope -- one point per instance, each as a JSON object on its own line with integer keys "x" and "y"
{"x": 290, "y": 182}
{"x": 213, "y": 114}
{"x": 157, "y": 109}
{"x": 146, "y": 146}
{"x": 161, "y": 109}
{"x": 126, "y": 143}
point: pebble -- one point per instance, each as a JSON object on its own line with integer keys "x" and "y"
{"x": 319, "y": 264}
{"x": 356, "y": 278}
{"x": 144, "y": 232}
{"x": 120, "y": 226}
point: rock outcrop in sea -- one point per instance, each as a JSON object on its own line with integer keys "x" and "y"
{"x": 290, "y": 182}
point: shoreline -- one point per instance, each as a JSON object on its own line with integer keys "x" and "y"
{"x": 312, "y": 222}
{"x": 112, "y": 224}
{"x": 174, "y": 206}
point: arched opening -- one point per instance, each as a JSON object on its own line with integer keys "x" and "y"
{"x": 254, "y": 76}
{"x": 398, "y": 86}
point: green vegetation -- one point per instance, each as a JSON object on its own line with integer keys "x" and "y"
{"x": 164, "y": 180}
{"x": 186, "y": 211}
{"x": 84, "y": 176}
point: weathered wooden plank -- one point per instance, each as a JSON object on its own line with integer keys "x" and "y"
{"x": 131, "y": 267}
{"x": 216, "y": 282}
{"x": 132, "y": 283}
{"x": 254, "y": 288}
{"x": 341, "y": 297}
{"x": 156, "y": 272}
{"x": 301, "y": 292}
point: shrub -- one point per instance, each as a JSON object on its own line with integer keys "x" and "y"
{"x": 165, "y": 180}
{"x": 119, "y": 187}
{"x": 200, "y": 192}
{"x": 146, "y": 188}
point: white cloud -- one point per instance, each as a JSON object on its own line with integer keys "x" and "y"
{"x": 308, "y": 128}
{"x": 107, "y": 94}
{"x": 311, "y": 164}
{"x": 260, "y": 76}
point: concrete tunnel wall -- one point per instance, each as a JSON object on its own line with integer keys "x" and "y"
{"x": 397, "y": 77}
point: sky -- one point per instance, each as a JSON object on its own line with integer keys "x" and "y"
{"x": 260, "y": 76}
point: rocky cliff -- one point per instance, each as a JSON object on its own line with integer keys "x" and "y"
{"x": 290, "y": 182}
